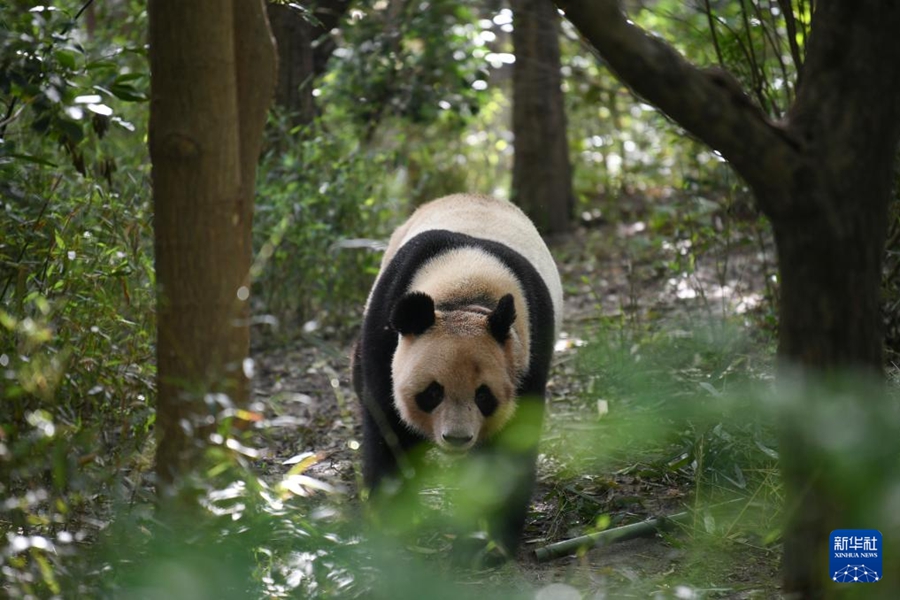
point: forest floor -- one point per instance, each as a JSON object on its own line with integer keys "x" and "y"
{"x": 611, "y": 274}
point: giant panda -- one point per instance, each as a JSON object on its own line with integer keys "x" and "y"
{"x": 455, "y": 346}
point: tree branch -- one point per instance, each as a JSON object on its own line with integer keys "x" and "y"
{"x": 709, "y": 104}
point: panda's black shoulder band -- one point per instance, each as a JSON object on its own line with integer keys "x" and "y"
{"x": 379, "y": 339}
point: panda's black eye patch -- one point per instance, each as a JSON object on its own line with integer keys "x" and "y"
{"x": 429, "y": 398}
{"x": 485, "y": 401}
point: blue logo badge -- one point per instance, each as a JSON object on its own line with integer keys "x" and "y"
{"x": 855, "y": 556}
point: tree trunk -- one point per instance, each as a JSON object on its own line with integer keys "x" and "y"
{"x": 327, "y": 13}
{"x": 304, "y": 47}
{"x": 542, "y": 174}
{"x": 830, "y": 287}
{"x": 830, "y": 241}
{"x": 293, "y": 34}
{"x": 829, "y": 325}
{"x": 201, "y": 137}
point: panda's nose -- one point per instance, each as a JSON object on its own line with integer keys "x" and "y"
{"x": 457, "y": 440}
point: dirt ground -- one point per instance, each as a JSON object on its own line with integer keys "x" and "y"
{"x": 607, "y": 271}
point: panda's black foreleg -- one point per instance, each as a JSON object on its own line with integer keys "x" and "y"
{"x": 506, "y": 480}
{"x": 507, "y": 518}
{"x": 390, "y": 458}
{"x": 385, "y": 447}
{"x": 379, "y": 461}
{"x": 517, "y": 452}
{"x": 385, "y": 440}
{"x": 506, "y": 466}
{"x": 511, "y": 522}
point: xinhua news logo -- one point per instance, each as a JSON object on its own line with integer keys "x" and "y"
{"x": 855, "y": 556}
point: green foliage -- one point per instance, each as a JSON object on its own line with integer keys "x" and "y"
{"x": 681, "y": 396}
{"x": 622, "y": 145}
{"x": 409, "y": 60}
{"x": 76, "y": 320}
{"x": 49, "y": 79}
{"x": 755, "y": 41}
{"x": 229, "y": 534}
{"x": 320, "y": 211}
{"x": 225, "y": 534}
{"x": 633, "y": 165}
{"x": 406, "y": 116}
{"x": 416, "y": 82}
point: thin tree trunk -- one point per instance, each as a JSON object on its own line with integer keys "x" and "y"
{"x": 304, "y": 46}
{"x": 327, "y": 13}
{"x": 542, "y": 173}
{"x": 293, "y": 33}
{"x": 201, "y": 137}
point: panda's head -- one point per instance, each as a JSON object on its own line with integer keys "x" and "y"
{"x": 454, "y": 371}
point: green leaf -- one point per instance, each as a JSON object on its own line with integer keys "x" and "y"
{"x": 100, "y": 64}
{"x": 70, "y": 130}
{"x": 32, "y": 159}
{"x": 126, "y": 77}
{"x": 710, "y": 388}
{"x": 7, "y": 320}
{"x": 127, "y": 92}
{"x": 66, "y": 58}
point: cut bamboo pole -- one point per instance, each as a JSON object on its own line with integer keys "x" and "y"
{"x": 609, "y": 536}
{"x": 616, "y": 534}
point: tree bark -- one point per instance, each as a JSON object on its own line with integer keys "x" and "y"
{"x": 293, "y": 34}
{"x": 203, "y": 131}
{"x": 256, "y": 75}
{"x": 327, "y": 13}
{"x": 829, "y": 324}
{"x": 304, "y": 47}
{"x": 823, "y": 178}
{"x": 542, "y": 173}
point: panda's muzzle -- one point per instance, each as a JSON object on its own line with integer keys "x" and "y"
{"x": 456, "y": 425}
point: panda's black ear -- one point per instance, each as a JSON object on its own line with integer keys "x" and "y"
{"x": 502, "y": 318}
{"x": 413, "y": 314}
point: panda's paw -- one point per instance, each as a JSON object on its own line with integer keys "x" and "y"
{"x": 477, "y": 551}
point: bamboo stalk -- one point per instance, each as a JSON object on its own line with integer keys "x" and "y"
{"x": 616, "y": 534}
{"x": 609, "y": 536}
